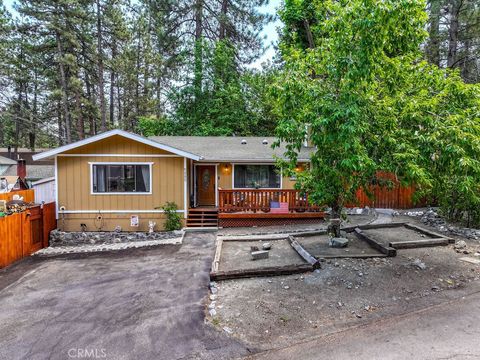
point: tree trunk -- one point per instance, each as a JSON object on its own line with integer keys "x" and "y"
{"x": 34, "y": 117}
{"x": 61, "y": 136}
{"x": 453, "y": 33}
{"x": 112, "y": 83}
{"x": 63, "y": 84}
{"x": 119, "y": 102}
{"x": 223, "y": 20}
{"x": 91, "y": 118}
{"x": 433, "y": 46}
{"x": 101, "y": 89}
{"x": 198, "y": 54}
{"x": 79, "y": 111}
{"x": 308, "y": 32}
{"x": 335, "y": 221}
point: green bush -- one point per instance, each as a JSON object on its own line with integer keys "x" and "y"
{"x": 173, "y": 221}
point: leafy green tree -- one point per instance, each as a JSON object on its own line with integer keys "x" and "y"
{"x": 337, "y": 93}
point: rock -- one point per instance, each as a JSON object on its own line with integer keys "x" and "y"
{"x": 266, "y": 246}
{"x": 436, "y": 288}
{"x": 419, "y": 264}
{"x": 258, "y": 255}
{"x": 212, "y": 312}
{"x": 286, "y": 287}
{"x": 213, "y": 297}
{"x": 460, "y": 245}
{"x": 227, "y": 330}
{"x": 338, "y": 242}
{"x": 211, "y": 305}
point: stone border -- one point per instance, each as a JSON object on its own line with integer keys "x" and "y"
{"x": 64, "y": 238}
{"x": 96, "y": 248}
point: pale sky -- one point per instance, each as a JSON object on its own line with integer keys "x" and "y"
{"x": 269, "y": 32}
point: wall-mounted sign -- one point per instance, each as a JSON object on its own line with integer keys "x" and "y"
{"x": 134, "y": 222}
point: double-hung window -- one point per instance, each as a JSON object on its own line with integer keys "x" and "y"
{"x": 256, "y": 176}
{"x": 121, "y": 178}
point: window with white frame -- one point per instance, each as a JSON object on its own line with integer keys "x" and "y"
{"x": 121, "y": 178}
{"x": 256, "y": 176}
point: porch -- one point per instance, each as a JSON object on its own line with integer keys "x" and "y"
{"x": 256, "y": 207}
{"x": 263, "y": 207}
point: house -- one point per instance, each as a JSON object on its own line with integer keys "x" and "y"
{"x": 5, "y": 163}
{"x": 118, "y": 179}
{"x": 33, "y": 171}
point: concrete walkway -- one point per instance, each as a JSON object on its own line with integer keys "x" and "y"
{"x": 130, "y": 304}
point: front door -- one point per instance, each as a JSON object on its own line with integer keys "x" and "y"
{"x": 206, "y": 185}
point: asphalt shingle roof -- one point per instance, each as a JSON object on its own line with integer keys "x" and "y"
{"x": 6, "y": 161}
{"x": 229, "y": 148}
{"x": 34, "y": 172}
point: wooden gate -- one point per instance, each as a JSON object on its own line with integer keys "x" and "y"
{"x": 24, "y": 233}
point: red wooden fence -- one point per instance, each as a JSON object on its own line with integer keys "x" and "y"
{"x": 24, "y": 233}
{"x": 28, "y": 195}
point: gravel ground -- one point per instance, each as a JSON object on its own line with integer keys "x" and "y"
{"x": 319, "y": 248}
{"x": 389, "y": 235}
{"x": 236, "y": 255}
{"x": 279, "y": 311}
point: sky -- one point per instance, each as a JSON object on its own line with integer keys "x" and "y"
{"x": 269, "y": 32}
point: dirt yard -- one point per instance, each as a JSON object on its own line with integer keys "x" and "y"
{"x": 279, "y": 311}
{"x": 319, "y": 248}
{"x": 394, "y": 234}
{"x": 236, "y": 255}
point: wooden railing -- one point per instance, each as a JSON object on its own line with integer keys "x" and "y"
{"x": 253, "y": 200}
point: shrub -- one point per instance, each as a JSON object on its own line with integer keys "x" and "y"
{"x": 173, "y": 221}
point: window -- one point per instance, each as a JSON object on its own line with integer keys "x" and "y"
{"x": 128, "y": 178}
{"x": 256, "y": 176}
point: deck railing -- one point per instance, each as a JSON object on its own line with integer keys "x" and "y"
{"x": 253, "y": 200}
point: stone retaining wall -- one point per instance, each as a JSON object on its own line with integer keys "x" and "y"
{"x": 62, "y": 238}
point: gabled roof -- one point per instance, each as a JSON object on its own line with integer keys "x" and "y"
{"x": 125, "y": 134}
{"x": 6, "y": 161}
{"x": 34, "y": 172}
{"x": 231, "y": 148}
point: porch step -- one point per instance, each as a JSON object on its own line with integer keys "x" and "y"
{"x": 202, "y": 217}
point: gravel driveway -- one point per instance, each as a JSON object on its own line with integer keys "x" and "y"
{"x": 133, "y": 304}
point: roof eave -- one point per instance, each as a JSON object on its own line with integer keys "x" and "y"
{"x": 141, "y": 139}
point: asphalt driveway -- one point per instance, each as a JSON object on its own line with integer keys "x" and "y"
{"x": 134, "y": 304}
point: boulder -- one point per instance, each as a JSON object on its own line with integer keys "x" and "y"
{"x": 338, "y": 242}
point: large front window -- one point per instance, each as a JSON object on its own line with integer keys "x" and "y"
{"x": 256, "y": 176}
{"x": 121, "y": 178}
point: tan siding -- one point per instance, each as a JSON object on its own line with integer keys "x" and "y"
{"x": 117, "y": 145}
{"x": 74, "y": 185}
{"x": 225, "y": 176}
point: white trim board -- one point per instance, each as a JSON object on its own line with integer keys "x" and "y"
{"x": 185, "y": 186}
{"x": 122, "y": 155}
{"x": 150, "y": 164}
{"x": 125, "y": 134}
{"x": 133, "y": 212}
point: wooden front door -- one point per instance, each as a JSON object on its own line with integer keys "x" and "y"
{"x": 206, "y": 185}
